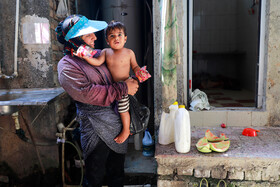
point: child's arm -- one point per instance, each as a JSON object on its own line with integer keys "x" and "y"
{"x": 96, "y": 61}
{"x": 141, "y": 73}
{"x": 133, "y": 63}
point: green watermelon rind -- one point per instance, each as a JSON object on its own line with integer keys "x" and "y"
{"x": 212, "y": 138}
{"x": 205, "y": 143}
{"x": 220, "y": 150}
{"x": 205, "y": 150}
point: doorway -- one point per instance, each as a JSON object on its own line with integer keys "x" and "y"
{"x": 225, "y": 51}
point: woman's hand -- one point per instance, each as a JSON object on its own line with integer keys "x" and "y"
{"x": 132, "y": 86}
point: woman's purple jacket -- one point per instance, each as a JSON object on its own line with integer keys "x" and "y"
{"x": 94, "y": 91}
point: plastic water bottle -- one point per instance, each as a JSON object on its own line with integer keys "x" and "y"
{"x": 148, "y": 144}
{"x": 173, "y": 109}
{"x": 166, "y": 128}
{"x": 182, "y": 130}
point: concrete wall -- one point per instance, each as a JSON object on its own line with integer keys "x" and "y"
{"x": 34, "y": 65}
{"x": 37, "y": 68}
{"x": 273, "y": 65}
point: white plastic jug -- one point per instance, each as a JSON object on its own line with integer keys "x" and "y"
{"x": 148, "y": 144}
{"x": 166, "y": 128}
{"x": 182, "y": 130}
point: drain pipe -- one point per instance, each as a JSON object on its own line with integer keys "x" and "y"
{"x": 15, "y": 74}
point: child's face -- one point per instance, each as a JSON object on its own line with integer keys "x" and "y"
{"x": 116, "y": 39}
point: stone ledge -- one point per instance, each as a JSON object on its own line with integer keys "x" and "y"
{"x": 195, "y": 183}
{"x": 249, "y": 158}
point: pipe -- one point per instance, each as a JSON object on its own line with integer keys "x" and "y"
{"x": 62, "y": 139}
{"x": 15, "y": 74}
{"x": 76, "y": 5}
{"x": 16, "y": 40}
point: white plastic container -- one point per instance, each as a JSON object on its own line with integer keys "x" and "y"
{"x": 166, "y": 128}
{"x": 182, "y": 130}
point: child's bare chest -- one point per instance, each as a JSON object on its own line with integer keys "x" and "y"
{"x": 118, "y": 61}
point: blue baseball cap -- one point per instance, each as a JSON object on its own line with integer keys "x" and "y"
{"x": 85, "y": 26}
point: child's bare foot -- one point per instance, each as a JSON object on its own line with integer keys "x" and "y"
{"x": 122, "y": 136}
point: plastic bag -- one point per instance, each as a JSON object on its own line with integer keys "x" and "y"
{"x": 62, "y": 10}
{"x": 139, "y": 115}
{"x": 199, "y": 101}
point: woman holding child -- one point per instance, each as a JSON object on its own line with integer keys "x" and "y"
{"x": 95, "y": 93}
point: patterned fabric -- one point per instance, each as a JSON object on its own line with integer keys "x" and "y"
{"x": 170, "y": 51}
{"x": 76, "y": 27}
{"x": 97, "y": 123}
{"x": 62, "y": 29}
{"x": 123, "y": 104}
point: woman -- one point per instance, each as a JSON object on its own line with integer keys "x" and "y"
{"x": 95, "y": 94}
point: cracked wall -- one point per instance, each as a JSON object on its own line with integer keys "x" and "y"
{"x": 35, "y": 65}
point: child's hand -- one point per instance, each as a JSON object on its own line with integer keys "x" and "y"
{"x": 85, "y": 51}
{"x": 142, "y": 74}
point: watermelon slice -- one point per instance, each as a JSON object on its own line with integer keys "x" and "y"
{"x": 202, "y": 142}
{"x": 223, "y": 136}
{"x": 212, "y": 138}
{"x": 205, "y": 149}
{"x": 220, "y": 146}
{"x": 203, "y": 145}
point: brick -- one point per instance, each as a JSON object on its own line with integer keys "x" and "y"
{"x": 55, "y": 47}
{"x": 161, "y": 170}
{"x": 53, "y": 57}
{"x": 51, "y": 4}
{"x": 61, "y": 47}
{"x": 53, "y": 26}
{"x": 166, "y": 183}
{"x": 254, "y": 175}
{"x": 184, "y": 171}
{"x": 200, "y": 173}
{"x": 271, "y": 173}
{"x": 51, "y": 13}
{"x": 53, "y": 36}
{"x": 55, "y": 68}
{"x": 235, "y": 174}
{"x": 218, "y": 173}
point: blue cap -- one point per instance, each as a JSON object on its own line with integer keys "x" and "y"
{"x": 85, "y": 26}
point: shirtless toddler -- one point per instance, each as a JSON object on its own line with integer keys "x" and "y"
{"x": 119, "y": 61}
